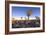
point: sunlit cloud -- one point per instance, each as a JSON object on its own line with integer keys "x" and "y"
{"x": 16, "y": 18}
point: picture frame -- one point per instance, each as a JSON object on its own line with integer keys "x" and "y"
{"x": 9, "y": 4}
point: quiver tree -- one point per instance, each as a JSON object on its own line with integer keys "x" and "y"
{"x": 29, "y": 13}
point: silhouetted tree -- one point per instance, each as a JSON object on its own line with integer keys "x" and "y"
{"x": 21, "y": 18}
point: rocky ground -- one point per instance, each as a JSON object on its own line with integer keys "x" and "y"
{"x": 26, "y": 23}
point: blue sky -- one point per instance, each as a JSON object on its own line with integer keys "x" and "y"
{"x": 21, "y": 11}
